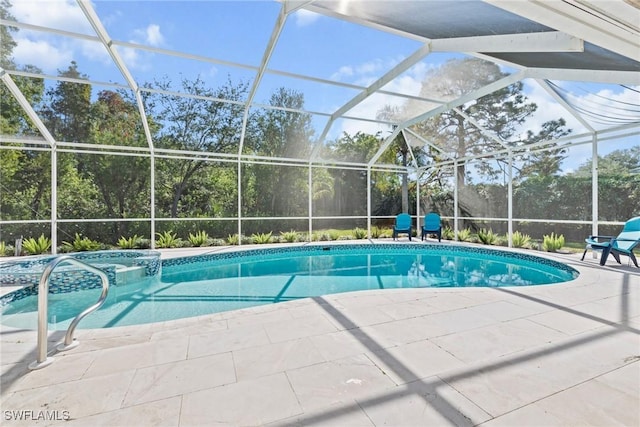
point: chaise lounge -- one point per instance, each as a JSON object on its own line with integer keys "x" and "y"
{"x": 623, "y": 244}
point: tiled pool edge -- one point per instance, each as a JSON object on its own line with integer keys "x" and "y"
{"x": 73, "y": 279}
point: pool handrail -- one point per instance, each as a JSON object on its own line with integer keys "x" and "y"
{"x": 43, "y": 306}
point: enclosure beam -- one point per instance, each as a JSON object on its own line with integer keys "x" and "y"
{"x": 560, "y": 100}
{"x": 483, "y": 91}
{"x": 594, "y": 188}
{"x": 584, "y": 21}
{"x": 591, "y": 76}
{"x": 29, "y": 111}
{"x": 455, "y": 199}
{"x": 510, "y": 201}
{"x": 310, "y": 197}
{"x": 369, "y": 201}
{"x": 549, "y": 41}
{"x": 482, "y": 130}
{"x": 285, "y": 10}
{"x": 375, "y": 86}
{"x": 106, "y": 40}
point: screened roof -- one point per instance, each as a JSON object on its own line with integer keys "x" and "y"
{"x": 349, "y": 59}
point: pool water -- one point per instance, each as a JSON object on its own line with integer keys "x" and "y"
{"x": 211, "y": 284}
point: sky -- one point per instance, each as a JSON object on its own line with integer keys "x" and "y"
{"x": 237, "y": 33}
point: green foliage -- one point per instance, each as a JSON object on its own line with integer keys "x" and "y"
{"x": 37, "y": 246}
{"x": 448, "y": 233}
{"x": 3, "y": 249}
{"x": 360, "y": 233}
{"x": 375, "y": 232}
{"x": 233, "y": 239}
{"x": 334, "y": 234}
{"x": 464, "y": 235}
{"x": 261, "y": 238}
{"x": 552, "y": 242}
{"x": 290, "y": 236}
{"x": 130, "y": 243}
{"x": 200, "y": 238}
{"x": 323, "y": 237}
{"x": 487, "y": 237}
{"x": 520, "y": 240}
{"x": 81, "y": 244}
{"x": 167, "y": 239}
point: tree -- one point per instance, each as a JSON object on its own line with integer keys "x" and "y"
{"x": 350, "y": 186}
{"x": 194, "y": 124}
{"x": 499, "y": 116}
{"x": 13, "y": 120}
{"x": 24, "y": 175}
{"x": 548, "y": 161}
{"x": 499, "y": 113}
{"x": 618, "y": 186}
{"x": 66, "y": 112}
{"x": 7, "y": 42}
{"x": 122, "y": 181}
{"x": 281, "y": 132}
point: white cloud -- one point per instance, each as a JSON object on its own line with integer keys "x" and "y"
{"x": 53, "y": 52}
{"x": 150, "y": 35}
{"x": 548, "y": 109}
{"x": 60, "y": 14}
{"x": 42, "y": 54}
{"x": 343, "y": 72}
{"x": 94, "y": 51}
{"x": 133, "y": 59}
{"x": 365, "y": 74}
{"x": 305, "y": 17}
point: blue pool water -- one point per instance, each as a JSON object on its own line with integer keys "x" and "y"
{"x": 215, "y": 283}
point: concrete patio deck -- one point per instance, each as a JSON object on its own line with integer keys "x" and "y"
{"x": 553, "y": 355}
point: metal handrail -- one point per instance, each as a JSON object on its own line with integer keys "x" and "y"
{"x": 43, "y": 306}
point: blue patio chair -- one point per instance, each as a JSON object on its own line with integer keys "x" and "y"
{"x": 624, "y": 244}
{"x": 402, "y": 225}
{"x": 432, "y": 225}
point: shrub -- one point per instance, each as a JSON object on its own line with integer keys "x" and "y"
{"x": 199, "y": 239}
{"x": 81, "y": 244}
{"x": 36, "y": 247}
{"x": 233, "y": 239}
{"x": 3, "y": 249}
{"x": 552, "y": 242}
{"x": 167, "y": 239}
{"x": 375, "y": 232}
{"x": 144, "y": 243}
{"x": 261, "y": 238}
{"x": 464, "y": 235}
{"x": 519, "y": 240}
{"x": 130, "y": 243}
{"x": 448, "y": 233}
{"x": 487, "y": 237}
{"x": 290, "y": 236}
{"x": 334, "y": 235}
{"x": 360, "y": 233}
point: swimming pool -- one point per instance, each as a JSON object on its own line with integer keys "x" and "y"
{"x": 205, "y": 284}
